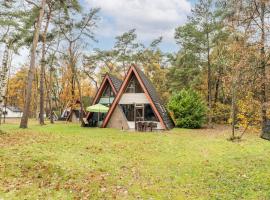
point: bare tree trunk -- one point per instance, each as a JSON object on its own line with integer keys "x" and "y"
{"x": 36, "y": 97}
{"x": 209, "y": 73}
{"x": 72, "y": 69}
{"x": 217, "y": 86}
{"x": 24, "y": 120}
{"x": 233, "y": 108}
{"x": 50, "y": 97}
{"x": 49, "y": 94}
{"x": 263, "y": 74}
{"x": 42, "y": 70}
{"x": 80, "y": 94}
{"x": 41, "y": 87}
{"x": 6, "y": 93}
{"x": 3, "y": 80}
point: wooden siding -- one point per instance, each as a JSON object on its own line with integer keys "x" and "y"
{"x": 118, "y": 119}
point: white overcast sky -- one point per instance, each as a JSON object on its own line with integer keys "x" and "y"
{"x": 151, "y": 19}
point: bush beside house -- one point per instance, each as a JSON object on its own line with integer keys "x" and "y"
{"x": 188, "y": 108}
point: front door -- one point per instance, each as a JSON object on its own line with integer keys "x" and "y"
{"x": 139, "y": 113}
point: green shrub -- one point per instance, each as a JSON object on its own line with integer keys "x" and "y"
{"x": 188, "y": 108}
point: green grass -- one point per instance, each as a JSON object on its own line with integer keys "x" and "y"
{"x": 65, "y": 161}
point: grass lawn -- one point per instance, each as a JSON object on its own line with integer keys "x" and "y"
{"x": 65, "y": 161}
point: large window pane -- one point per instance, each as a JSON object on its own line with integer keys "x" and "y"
{"x": 108, "y": 92}
{"x": 149, "y": 113}
{"x": 134, "y": 86}
{"x": 128, "y": 111}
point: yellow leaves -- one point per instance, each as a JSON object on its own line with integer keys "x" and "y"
{"x": 248, "y": 115}
{"x": 221, "y": 112}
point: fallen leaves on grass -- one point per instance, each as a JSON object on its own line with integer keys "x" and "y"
{"x": 22, "y": 138}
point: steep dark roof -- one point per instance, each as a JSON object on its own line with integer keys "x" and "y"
{"x": 116, "y": 82}
{"x": 14, "y": 109}
{"x": 156, "y": 99}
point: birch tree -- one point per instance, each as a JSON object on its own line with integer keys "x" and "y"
{"x": 11, "y": 33}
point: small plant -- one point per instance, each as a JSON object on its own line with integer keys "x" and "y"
{"x": 188, "y": 108}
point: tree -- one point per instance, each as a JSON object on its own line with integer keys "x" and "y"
{"x": 11, "y": 22}
{"x": 24, "y": 120}
{"x": 43, "y": 63}
{"x": 188, "y": 109}
{"x": 76, "y": 31}
{"x": 253, "y": 17}
{"x": 3, "y": 80}
{"x": 105, "y": 60}
{"x": 199, "y": 36}
{"x": 154, "y": 64}
{"x": 52, "y": 11}
{"x": 126, "y": 46}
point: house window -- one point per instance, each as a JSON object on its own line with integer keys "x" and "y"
{"x": 134, "y": 86}
{"x": 108, "y": 92}
{"x": 140, "y": 112}
{"x": 128, "y": 110}
{"x": 149, "y": 114}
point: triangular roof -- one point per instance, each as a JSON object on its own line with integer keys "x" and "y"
{"x": 114, "y": 82}
{"x": 151, "y": 94}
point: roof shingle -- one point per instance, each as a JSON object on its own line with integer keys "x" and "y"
{"x": 116, "y": 82}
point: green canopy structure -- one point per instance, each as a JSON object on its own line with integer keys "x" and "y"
{"x": 98, "y": 108}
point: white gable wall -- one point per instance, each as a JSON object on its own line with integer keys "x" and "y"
{"x": 131, "y": 98}
{"x": 136, "y": 98}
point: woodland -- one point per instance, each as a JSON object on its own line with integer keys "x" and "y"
{"x": 215, "y": 87}
{"x": 223, "y": 55}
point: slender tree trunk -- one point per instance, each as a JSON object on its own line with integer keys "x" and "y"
{"x": 263, "y": 74}
{"x": 6, "y": 92}
{"x": 233, "y": 107}
{"x": 50, "y": 97}
{"x": 217, "y": 88}
{"x": 209, "y": 80}
{"x": 80, "y": 94}
{"x": 72, "y": 69}
{"x": 49, "y": 94}
{"x": 41, "y": 85}
{"x": 36, "y": 97}
{"x": 24, "y": 120}
{"x": 42, "y": 71}
{"x": 3, "y": 80}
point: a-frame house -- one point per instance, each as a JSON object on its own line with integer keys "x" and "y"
{"x": 137, "y": 101}
{"x": 105, "y": 95}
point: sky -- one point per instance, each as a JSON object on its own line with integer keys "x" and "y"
{"x": 150, "y": 18}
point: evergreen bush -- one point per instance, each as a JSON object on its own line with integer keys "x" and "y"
{"x": 188, "y": 108}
